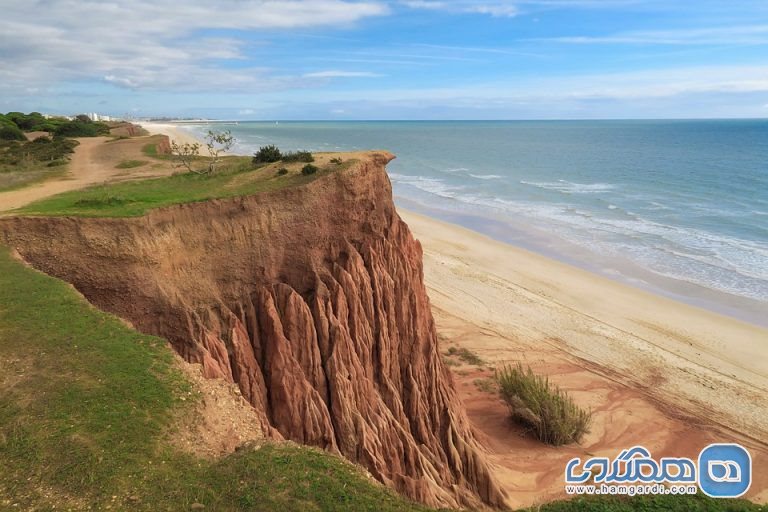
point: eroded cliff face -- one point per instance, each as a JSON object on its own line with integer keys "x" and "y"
{"x": 311, "y": 299}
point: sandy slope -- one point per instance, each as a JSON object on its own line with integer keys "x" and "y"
{"x": 656, "y": 372}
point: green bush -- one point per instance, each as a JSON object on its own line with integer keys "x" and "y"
{"x": 9, "y": 131}
{"x": 549, "y": 411}
{"x": 41, "y": 149}
{"x": 25, "y": 122}
{"x": 79, "y": 128}
{"x": 298, "y": 156}
{"x": 282, "y": 171}
{"x": 336, "y": 160}
{"x": 267, "y": 154}
{"x": 309, "y": 169}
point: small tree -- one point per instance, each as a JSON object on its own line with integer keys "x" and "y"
{"x": 185, "y": 154}
{"x": 218, "y": 143}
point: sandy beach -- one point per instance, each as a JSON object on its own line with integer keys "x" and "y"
{"x": 173, "y": 132}
{"x": 655, "y": 372}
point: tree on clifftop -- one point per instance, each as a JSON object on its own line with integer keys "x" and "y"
{"x": 185, "y": 154}
{"x": 218, "y": 143}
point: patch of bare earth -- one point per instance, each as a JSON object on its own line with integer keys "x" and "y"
{"x": 220, "y": 419}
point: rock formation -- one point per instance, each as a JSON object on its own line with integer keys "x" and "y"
{"x": 311, "y": 299}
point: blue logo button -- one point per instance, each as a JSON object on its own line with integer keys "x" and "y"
{"x": 725, "y": 470}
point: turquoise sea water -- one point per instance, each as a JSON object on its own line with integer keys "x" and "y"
{"x": 680, "y": 207}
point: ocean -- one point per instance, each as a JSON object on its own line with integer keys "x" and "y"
{"x": 676, "y": 207}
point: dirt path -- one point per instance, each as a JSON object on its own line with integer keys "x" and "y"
{"x": 93, "y": 162}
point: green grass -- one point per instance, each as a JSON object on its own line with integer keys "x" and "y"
{"x": 86, "y": 405}
{"x": 130, "y": 164}
{"x": 151, "y": 150}
{"x": 696, "y": 503}
{"x": 135, "y": 198}
{"x": 546, "y": 409}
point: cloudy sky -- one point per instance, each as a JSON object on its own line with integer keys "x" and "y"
{"x": 387, "y": 59}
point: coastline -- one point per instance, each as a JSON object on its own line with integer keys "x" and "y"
{"x": 654, "y": 371}
{"x": 172, "y": 131}
{"x": 657, "y": 371}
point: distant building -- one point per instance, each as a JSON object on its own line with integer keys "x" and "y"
{"x": 93, "y": 116}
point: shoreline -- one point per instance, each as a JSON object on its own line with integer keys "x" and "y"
{"x": 620, "y": 270}
{"x": 655, "y": 372}
{"x": 635, "y": 332}
{"x": 535, "y": 237}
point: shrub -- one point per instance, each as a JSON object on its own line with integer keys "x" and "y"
{"x": 282, "y": 171}
{"x": 79, "y": 128}
{"x": 336, "y": 161}
{"x": 41, "y": 149}
{"x": 298, "y": 156}
{"x": 549, "y": 411}
{"x": 465, "y": 355}
{"x": 10, "y": 131}
{"x": 267, "y": 154}
{"x": 25, "y": 122}
{"x": 309, "y": 169}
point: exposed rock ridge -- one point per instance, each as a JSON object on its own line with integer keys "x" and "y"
{"x": 311, "y": 299}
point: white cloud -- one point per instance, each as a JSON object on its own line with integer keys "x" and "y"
{"x": 738, "y": 34}
{"x": 499, "y": 8}
{"x": 145, "y": 44}
{"x": 424, "y": 4}
{"x": 341, "y": 74}
{"x": 626, "y": 86}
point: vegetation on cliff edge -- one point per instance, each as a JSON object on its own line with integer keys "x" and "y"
{"x": 235, "y": 177}
{"x": 86, "y": 408}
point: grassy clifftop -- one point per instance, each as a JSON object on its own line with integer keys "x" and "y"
{"x": 237, "y": 177}
{"x": 86, "y": 405}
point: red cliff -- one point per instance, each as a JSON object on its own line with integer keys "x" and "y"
{"x": 311, "y": 299}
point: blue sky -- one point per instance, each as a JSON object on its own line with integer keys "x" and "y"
{"x": 377, "y": 59}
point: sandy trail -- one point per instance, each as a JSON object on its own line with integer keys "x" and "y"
{"x": 656, "y": 372}
{"x": 93, "y": 162}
